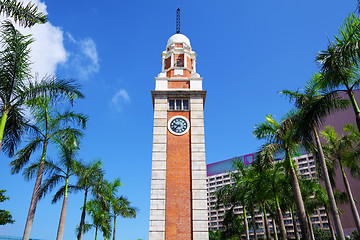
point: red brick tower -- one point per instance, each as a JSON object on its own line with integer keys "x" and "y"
{"x": 178, "y": 208}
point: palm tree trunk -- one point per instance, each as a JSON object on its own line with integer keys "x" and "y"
{"x": 354, "y": 210}
{"x": 332, "y": 203}
{"x": 114, "y": 227}
{"x": 294, "y": 225}
{"x": 333, "y": 237}
{"x": 355, "y": 107}
{"x": 310, "y": 227}
{"x": 96, "y": 229}
{"x": 82, "y": 220}
{"x": 254, "y": 223}
{"x": 246, "y": 225}
{"x": 2, "y": 126}
{"x": 61, "y": 227}
{"x": 301, "y": 215}
{"x": 267, "y": 229}
{"x": 275, "y": 229}
{"x": 281, "y": 220}
{"x": 35, "y": 196}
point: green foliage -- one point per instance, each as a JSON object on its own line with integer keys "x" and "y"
{"x": 26, "y": 16}
{"x": 16, "y": 87}
{"x": 355, "y": 235}
{"x": 5, "y": 216}
{"x": 321, "y": 234}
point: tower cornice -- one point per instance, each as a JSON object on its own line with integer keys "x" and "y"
{"x": 187, "y": 93}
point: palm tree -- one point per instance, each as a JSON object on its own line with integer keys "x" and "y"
{"x": 49, "y": 124}
{"x": 314, "y": 106}
{"x": 16, "y": 87}
{"x": 278, "y": 179}
{"x": 121, "y": 207}
{"x": 100, "y": 217}
{"x": 90, "y": 179}
{"x": 106, "y": 196}
{"x": 59, "y": 172}
{"x": 26, "y": 16}
{"x": 280, "y": 136}
{"x": 90, "y": 176}
{"x": 339, "y": 63}
{"x": 336, "y": 149}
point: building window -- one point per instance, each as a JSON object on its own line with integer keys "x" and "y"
{"x": 179, "y": 104}
{"x": 179, "y": 63}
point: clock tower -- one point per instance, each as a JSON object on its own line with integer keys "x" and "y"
{"x": 178, "y": 207}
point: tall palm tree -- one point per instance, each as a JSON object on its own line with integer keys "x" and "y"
{"x": 314, "y": 105}
{"x": 49, "y": 124}
{"x": 340, "y": 62}
{"x": 26, "y": 16}
{"x": 230, "y": 196}
{"x": 280, "y": 136}
{"x": 106, "y": 196}
{"x": 278, "y": 179}
{"x": 16, "y": 87}
{"x": 121, "y": 207}
{"x": 58, "y": 172}
{"x": 90, "y": 178}
{"x": 100, "y": 218}
{"x": 336, "y": 149}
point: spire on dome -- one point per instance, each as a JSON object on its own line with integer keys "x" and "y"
{"x": 178, "y": 20}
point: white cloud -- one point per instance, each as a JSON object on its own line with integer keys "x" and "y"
{"x": 48, "y": 49}
{"x": 83, "y": 60}
{"x": 120, "y": 97}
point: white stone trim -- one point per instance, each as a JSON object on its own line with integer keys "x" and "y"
{"x": 198, "y": 165}
{"x": 158, "y": 176}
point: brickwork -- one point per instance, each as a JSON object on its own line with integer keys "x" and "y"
{"x": 167, "y": 63}
{"x": 179, "y": 84}
{"x": 178, "y": 185}
{"x": 171, "y": 73}
{"x": 189, "y": 63}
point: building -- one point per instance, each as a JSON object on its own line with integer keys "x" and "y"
{"x": 178, "y": 185}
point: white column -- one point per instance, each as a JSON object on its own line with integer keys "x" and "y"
{"x": 198, "y": 165}
{"x": 163, "y": 64}
{"x": 158, "y": 176}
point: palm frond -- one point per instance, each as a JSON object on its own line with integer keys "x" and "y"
{"x": 26, "y": 16}
{"x": 76, "y": 119}
{"x": 339, "y": 62}
{"x": 14, "y": 59}
{"x": 58, "y": 195}
{"x": 23, "y": 156}
{"x": 31, "y": 171}
{"x": 16, "y": 126}
{"x": 53, "y": 88}
{"x": 49, "y": 184}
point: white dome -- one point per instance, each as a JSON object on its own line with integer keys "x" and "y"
{"x": 178, "y": 38}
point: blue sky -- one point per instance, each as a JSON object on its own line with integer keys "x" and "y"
{"x": 247, "y": 51}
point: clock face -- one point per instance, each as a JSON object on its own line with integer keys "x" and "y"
{"x": 178, "y": 125}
